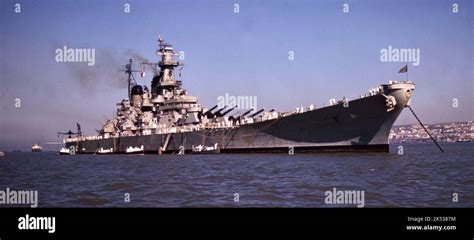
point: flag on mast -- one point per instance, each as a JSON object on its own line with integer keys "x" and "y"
{"x": 404, "y": 69}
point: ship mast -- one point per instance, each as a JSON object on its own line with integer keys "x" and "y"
{"x": 128, "y": 70}
{"x": 167, "y": 63}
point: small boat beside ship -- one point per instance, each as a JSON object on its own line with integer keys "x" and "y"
{"x": 135, "y": 150}
{"x": 64, "y": 151}
{"x": 201, "y": 149}
{"x": 105, "y": 150}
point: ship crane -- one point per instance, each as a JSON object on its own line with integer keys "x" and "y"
{"x": 70, "y": 133}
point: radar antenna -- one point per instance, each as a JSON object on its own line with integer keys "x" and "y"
{"x": 129, "y": 71}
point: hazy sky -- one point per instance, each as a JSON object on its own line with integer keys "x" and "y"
{"x": 336, "y": 54}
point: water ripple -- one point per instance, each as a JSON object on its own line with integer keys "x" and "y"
{"x": 422, "y": 177}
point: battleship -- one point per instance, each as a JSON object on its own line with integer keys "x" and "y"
{"x": 165, "y": 119}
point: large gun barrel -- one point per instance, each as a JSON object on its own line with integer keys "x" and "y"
{"x": 245, "y": 113}
{"x": 228, "y": 111}
{"x": 217, "y": 113}
{"x": 255, "y": 114}
{"x": 210, "y": 110}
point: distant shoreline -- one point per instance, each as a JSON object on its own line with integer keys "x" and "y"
{"x": 442, "y": 132}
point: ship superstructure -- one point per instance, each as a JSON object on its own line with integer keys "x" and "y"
{"x": 163, "y": 108}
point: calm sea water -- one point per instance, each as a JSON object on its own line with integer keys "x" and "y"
{"x": 421, "y": 177}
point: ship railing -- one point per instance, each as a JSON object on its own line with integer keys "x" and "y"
{"x": 192, "y": 128}
{"x": 373, "y": 92}
{"x": 71, "y": 140}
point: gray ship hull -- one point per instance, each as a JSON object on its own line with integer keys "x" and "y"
{"x": 363, "y": 125}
